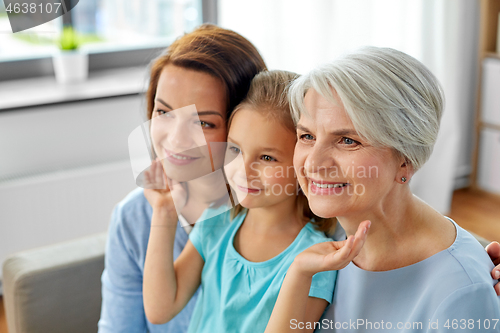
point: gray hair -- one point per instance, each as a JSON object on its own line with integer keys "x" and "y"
{"x": 392, "y": 99}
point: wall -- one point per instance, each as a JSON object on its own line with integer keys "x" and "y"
{"x": 63, "y": 169}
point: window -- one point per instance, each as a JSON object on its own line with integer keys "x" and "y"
{"x": 104, "y": 26}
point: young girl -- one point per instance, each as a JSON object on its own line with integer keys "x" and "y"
{"x": 241, "y": 263}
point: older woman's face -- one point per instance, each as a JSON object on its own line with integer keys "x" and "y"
{"x": 189, "y": 113}
{"x": 340, "y": 173}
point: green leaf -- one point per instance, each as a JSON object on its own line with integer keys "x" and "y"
{"x": 69, "y": 40}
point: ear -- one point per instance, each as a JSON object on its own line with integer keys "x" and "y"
{"x": 405, "y": 171}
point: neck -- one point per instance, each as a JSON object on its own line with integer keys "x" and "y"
{"x": 202, "y": 192}
{"x": 279, "y": 218}
{"x": 404, "y": 230}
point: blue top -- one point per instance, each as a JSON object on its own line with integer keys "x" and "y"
{"x": 446, "y": 292}
{"x": 238, "y": 295}
{"x": 122, "y": 306}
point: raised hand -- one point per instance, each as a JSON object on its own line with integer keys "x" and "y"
{"x": 329, "y": 256}
{"x": 163, "y": 193}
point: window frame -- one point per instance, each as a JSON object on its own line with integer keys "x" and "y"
{"x": 36, "y": 67}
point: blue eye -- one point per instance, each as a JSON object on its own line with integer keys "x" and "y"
{"x": 349, "y": 141}
{"x": 234, "y": 149}
{"x": 307, "y": 137}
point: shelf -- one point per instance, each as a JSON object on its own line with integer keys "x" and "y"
{"x": 488, "y": 30}
{"x": 24, "y": 93}
{"x": 492, "y": 126}
{"x": 492, "y": 55}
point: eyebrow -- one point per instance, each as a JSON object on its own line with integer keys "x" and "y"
{"x": 200, "y": 113}
{"x": 302, "y": 128}
{"x": 229, "y": 140}
{"x": 272, "y": 150}
{"x": 339, "y": 132}
{"x": 342, "y": 132}
{"x": 207, "y": 113}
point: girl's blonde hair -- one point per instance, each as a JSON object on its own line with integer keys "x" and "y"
{"x": 268, "y": 96}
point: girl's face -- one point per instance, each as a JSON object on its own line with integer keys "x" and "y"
{"x": 189, "y": 113}
{"x": 340, "y": 172}
{"x": 261, "y": 153}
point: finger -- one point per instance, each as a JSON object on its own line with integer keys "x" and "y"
{"x": 344, "y": 252}
{"x": 165, "y": 181}
{"x": 495, "y": 273}
{"x": 168, "y": 182}
{"x": 147, "y": 179}
{"x": 497, "y": 288}
{"x": 151, "y": 180}
{"x": 338, "y": 244}
{"x": 339, "y": 259}
{"x": 493, "y": 250}
{"x": 159, "y": 176}
{"x": 359, "y": 239}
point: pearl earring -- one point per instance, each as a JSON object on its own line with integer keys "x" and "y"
{"x": 403, "y": 179}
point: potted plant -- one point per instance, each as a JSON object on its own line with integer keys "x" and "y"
{"x": 70, "y": 63}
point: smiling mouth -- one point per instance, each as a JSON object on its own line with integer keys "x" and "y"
{"x": 327, "y": 185}
{"x": 180, "y": 157}
{"x": 248, "y": 190}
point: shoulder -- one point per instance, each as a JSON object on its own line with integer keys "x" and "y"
{"x": 132, "y": 217}
{"x": 307, "y": 237}
{"x": 323, "y": 283}
{"x": 470, "y": 258}
{"x": 135, "y": 204}
{"x": 311, "y": 234}
{"x": 212, "y": 228}
{"x": 129, "y": 228}
{"x": 460, "y": 276}
{"x": 472, "y": 302}
{"x": 214, "y": 220}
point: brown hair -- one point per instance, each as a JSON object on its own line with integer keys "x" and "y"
{"x": 219, "y": 52}
{"x": 268, "y": 96}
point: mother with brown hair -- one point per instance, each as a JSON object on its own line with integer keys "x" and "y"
{"x": 210, "y": 68}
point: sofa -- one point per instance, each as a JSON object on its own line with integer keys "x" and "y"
{"x": 57, "y": 288}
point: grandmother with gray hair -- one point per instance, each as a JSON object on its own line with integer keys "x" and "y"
{"x": 365, "y": 124}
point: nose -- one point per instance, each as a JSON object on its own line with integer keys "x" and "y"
{"x": 319, "y": 160}
{"x": 179, "y": 136}
{"x": 241, "y": 170}
{"x": 246, "y": 169}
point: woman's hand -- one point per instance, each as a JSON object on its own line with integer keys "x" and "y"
{"x": 329, "y": 256}
{"x": 493, "y": 250}
{"x": 162, "y": 193}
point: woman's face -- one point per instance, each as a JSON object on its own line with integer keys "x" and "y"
{"x": 189, "y": 113}
{"x": 340, "y": 173}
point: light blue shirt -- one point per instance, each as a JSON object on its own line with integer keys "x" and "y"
{"x": 122, "y": 305}
{"x": 446, "y": 292}
{"x": 238, "y": 295}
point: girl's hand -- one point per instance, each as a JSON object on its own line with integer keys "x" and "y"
{"x": 162, "y": 193}
{"x": 329, "y": 256}
{"x": 493, "y": 250}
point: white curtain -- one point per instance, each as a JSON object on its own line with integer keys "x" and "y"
{"x": 297, "y": 35}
